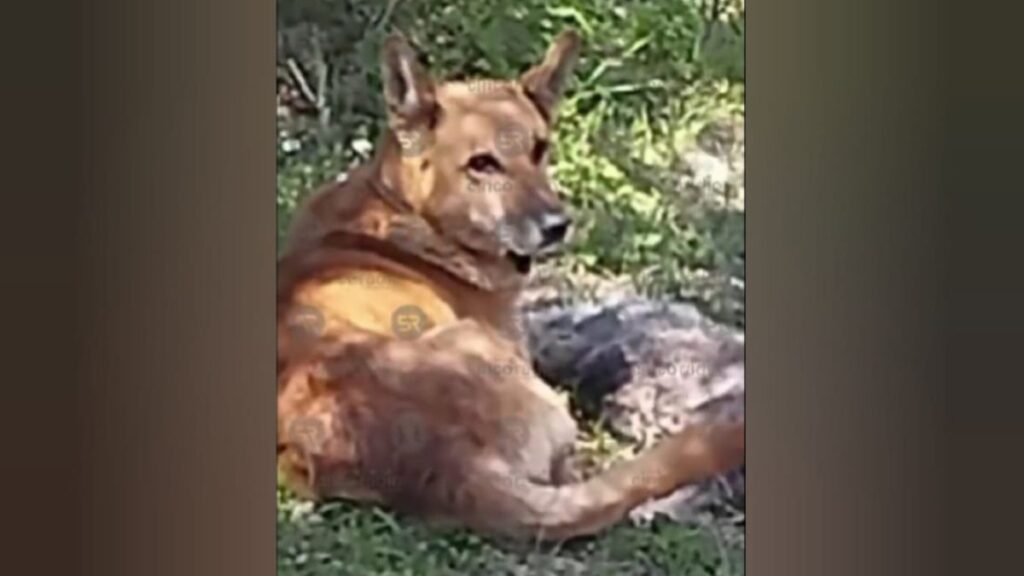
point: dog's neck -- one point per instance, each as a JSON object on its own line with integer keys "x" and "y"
{"x": 414, "y": 235}
{"x": 386, "y": 177}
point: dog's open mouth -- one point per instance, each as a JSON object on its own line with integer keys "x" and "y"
{"x": 522, "y": 262}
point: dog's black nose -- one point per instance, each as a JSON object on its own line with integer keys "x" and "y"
{"x": 553, "y": 228}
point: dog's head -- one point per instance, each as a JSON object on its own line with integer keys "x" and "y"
{"x": 473, "y": 155}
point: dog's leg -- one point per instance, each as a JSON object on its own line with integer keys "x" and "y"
{"x": 505, "y": 505}
{"x": 565, "y": 469}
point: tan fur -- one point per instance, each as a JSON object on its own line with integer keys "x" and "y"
{"x": 449, "y": 423}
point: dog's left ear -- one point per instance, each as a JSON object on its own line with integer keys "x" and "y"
{"x": 408, "y": 88}
{"x": 545, "y": 83}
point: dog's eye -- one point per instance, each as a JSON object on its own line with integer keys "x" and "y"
{"x": 539, "y": 150}
{"x": 484, "y": 163}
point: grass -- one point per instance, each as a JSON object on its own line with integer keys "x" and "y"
{"x": 339, "y": 539}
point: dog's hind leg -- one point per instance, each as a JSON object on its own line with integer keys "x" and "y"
{"x": 506, "y": 505}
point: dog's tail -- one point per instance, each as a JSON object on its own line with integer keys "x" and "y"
{"x": 531, "y": 510}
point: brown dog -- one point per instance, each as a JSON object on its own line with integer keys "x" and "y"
{"x": 402, "y": 374}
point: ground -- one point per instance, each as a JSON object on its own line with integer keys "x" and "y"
{"x": 342, "y": 539}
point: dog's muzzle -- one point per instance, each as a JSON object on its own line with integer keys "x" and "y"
{"x": 542, "y": 237}
{"x": 553, "y": 228}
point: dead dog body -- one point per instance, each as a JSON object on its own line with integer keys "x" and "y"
{"x": 402, "y": 374}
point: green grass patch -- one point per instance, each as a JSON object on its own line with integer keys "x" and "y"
{"x": 341, "y": 539}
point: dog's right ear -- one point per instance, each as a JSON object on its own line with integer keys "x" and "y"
{"x": 546, "y": 82}
{"x": 408, "y": 89}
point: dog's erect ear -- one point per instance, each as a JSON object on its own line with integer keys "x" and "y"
{"x": 545, "y": 82}
{"x": 408, "y": 89}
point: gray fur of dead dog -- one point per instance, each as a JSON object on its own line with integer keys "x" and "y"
{"x": 648, "y": 368}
